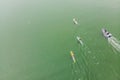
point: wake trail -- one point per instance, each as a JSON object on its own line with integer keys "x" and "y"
{"x": 114, "y": 43}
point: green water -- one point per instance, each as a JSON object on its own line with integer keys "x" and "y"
{"x": 36, "y": 37}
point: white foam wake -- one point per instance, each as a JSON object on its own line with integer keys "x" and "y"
{"x": 115, "y": 43}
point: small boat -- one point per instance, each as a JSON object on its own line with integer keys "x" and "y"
{"x": 73, "y": 57}
{"x": 75, "y": 21}
{"x": 79, "y": 40}
{"x": 106, "y": 34}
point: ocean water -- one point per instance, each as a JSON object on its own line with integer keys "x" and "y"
{"x": 36, "y": 38}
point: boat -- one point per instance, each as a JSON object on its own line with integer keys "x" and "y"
{"x": 106, "y": 34}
